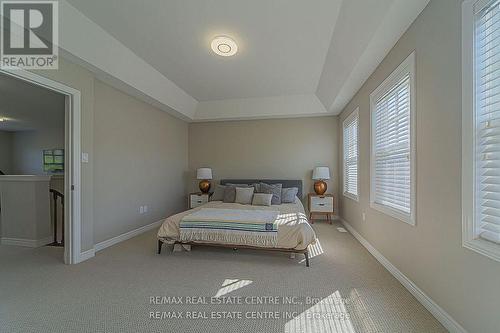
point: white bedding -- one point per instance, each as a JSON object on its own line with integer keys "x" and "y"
{"x": 294, "y": 231}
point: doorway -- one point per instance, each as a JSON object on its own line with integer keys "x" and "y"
{"x": 69, "y": 228}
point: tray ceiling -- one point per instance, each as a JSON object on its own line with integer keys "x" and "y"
{"x": 318, "y": 52}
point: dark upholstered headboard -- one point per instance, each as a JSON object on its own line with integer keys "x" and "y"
{"x": 286, "y": 183}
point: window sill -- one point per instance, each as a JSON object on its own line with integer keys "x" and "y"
{"x": 486, "y": 248}
{"x": 351, "y": 196}
{"x": 394, "y": 213}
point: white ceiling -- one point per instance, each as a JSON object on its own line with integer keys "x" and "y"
{"x": 321, "y": 50}
{"x": 282, "y": 43}
{"x": 28, "y": 107}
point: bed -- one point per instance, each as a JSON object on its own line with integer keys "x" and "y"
{"x": 293, "y": 232}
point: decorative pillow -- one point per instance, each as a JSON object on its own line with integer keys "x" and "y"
{"x": 244, "y": 195}
{"x": 230, "y": 192}
{"x": 288, "y": 194}
{"x": 262, "y": 199}
{"x": 257, "y": 187}
{"x": 274, "y": 189}
{"x": 218, "y": 194}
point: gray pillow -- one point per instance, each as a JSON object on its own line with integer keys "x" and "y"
{"x": 262, "y": 199}
{"x": 230, "y": 192}
{"x": 257, "y": 187}
{"x": 218, "y": 194}
{"x": 288, "y": 194}
{"x": 244, "y": 195}
{"x": 274, "y": 189}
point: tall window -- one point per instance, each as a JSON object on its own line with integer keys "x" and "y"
{"x": 392, "y": 147}
{"x": 481, "y": 126}
{"x": 487, "y": 91}
{"x": 350, "y": 136}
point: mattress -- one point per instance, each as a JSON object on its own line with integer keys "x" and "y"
{"x": 294, "y": 231}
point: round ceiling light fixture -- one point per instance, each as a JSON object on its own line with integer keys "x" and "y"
{"x": 224, "y": 46}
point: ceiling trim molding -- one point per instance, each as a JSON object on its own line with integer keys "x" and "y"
{"x": 335, "y": 94}
{"x": 403, "y": 14}
{"x": 287, "y": 106}
{"x": 114, "y": 63}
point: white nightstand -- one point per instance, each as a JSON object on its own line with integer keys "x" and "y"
{"x": 198, "y": 199}
{"x": 320, "y": 204}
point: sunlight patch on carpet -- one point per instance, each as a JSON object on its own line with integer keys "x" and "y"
{"x": 314, "y": 250}
{"x": 230, "y": 285}
{"x": 327, "y": 315}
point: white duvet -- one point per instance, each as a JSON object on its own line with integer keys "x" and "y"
{"x": 294, "y": 231}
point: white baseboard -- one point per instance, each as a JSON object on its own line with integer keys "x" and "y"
{"x": 85, "y": 255}
{"x": 27, "y": 242}
{"x": 112, "y": 241}
{"x": 444, "y": 318}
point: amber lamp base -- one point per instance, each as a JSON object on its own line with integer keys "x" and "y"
{"x": 320, "y": 187}
{"x": 204, "y": 186}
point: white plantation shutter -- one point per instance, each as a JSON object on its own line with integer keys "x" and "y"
{"x": 487, "y": 115}
{"x": 350, "y": 136}
{"x": 392, "y": 159}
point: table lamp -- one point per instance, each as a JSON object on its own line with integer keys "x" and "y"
{"x": 204, "y": 174}
{"x": 320, "y": 174}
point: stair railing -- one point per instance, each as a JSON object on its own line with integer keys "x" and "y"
{"x": 58, "y": 195}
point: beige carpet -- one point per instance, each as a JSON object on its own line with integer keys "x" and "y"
{"x": 344, "y": 290}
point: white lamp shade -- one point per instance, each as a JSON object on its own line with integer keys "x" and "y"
{"x": 321, "y": 173}
{"x": 204, "y": 173}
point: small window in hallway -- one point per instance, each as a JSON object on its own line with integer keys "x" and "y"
{"x": 350, "y": 136}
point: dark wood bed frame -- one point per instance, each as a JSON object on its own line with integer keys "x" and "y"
{"x": 235, "y": 247}
{"x": 286, "y": 184}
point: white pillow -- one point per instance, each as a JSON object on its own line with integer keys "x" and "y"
{"x": 244, "y": 195}
{"x": 262, "y": 199}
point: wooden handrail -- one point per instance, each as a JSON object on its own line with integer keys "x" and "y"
{"x": 56, "y": 193}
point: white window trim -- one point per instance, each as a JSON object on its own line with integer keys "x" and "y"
{"x": 353, "y": 114}
{"x": 469, "y": 237}
{"x": 351, "y": 196}
{"x": 407, "y": 66}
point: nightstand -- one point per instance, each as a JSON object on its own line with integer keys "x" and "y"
{"x": 198, "y": 199}
{"x": 320, "y": 204}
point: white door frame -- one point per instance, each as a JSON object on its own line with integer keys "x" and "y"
{"x": 72, "y": 172}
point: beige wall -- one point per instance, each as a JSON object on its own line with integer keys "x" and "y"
{"x": 38, "y": 123}
{"x": 149, "y": 170}
{"x": 6, "y": 152}
{"x": 140, "y": 157}
{"x": 28, "y": 147}
{"x": 277, "y": 148}
{"x": 462, "y": 282}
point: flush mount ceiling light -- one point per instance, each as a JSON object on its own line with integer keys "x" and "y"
{"x": 224, "y": 46}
